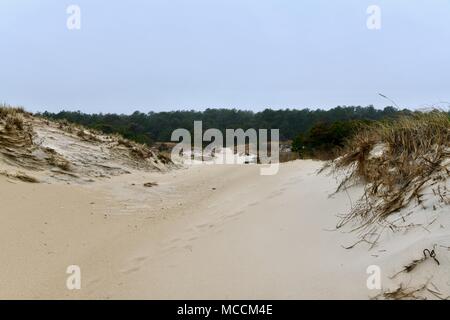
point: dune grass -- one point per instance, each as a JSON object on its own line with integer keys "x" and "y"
{"x": 396, "y": 160}
{"x": 15, "y": 130}
{"x": 12, "y": 117}
{"x": 20, "y": 176}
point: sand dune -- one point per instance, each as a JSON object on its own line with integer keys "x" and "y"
{"x": 236, "y": 234}
{"x": 62, "y": 152}
{"x": 203, "y": 232}
{"x": 207, "y": 232}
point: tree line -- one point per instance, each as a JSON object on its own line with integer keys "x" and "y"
{"x": 153, "y": 127}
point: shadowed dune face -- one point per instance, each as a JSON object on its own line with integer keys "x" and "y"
{"x": 65, "y": 152}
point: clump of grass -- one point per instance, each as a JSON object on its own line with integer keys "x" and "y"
{"x": 12, "y": 117}
{"x": 57, "y": 160}
{"x": 26, "y": 178}
{"x": 124, "y": 142}
{"x": 15, "y": 131}
{"x": 6, "y": 110}
{"x": 62, "y": 123}
{"x": 402, "y": 293}
{"x": 14, "y": 122}
{"x": 20, "y": 176}
{"x": 420, "y": 292}
{"x": 164, "y": 157}
{"x": 67, "y": 126}
{"x": 414, "y": 153}
{"x": 137, "y": 151}
{"x": 79, "y": 130}
{"x": 81, "y": 134}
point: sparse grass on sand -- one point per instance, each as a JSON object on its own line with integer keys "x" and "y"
{"x": 27, "y": 141}
{"x": 15, "y": 132}
{"x": 396, "y": 161}
{"x": 12, "y": 117}
{"x": 6, "y": 109}
{"x": 56, "y": 160}
{"x": 20, "y": 176}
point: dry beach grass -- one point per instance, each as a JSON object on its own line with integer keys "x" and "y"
{"x": 397, "y": 160}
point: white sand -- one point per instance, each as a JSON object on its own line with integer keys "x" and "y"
{"x": 204, "y": 232}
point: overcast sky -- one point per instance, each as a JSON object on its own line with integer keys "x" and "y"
{"x": 251, "y": 54}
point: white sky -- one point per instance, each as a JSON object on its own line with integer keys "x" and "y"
{"x": 159, "y": 55}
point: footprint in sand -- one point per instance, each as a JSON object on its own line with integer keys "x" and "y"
{"x": 130, "y": 270}
{"x": 275, "y": 194}
{"x": 93, "y": 282}
{"x": 203, "y": 226}
{"x": 235, "y": 214}
{"x": 172, "y": 241}
{"x": 139, "y": 259}
{"x": 293, "y": 181}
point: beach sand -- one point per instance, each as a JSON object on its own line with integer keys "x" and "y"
{"x": 205, "y": 232}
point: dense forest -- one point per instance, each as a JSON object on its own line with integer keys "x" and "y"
{"x": 158, "y": 126}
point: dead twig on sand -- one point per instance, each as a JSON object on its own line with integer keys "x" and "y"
{"x": 410, "y": 267}
{"x": 150, "y": 184}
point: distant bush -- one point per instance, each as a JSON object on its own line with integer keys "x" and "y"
{"x": 324, "y": 140}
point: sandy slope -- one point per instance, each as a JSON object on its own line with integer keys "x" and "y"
{"x": 203, "y": 232}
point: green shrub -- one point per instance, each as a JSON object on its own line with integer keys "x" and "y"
{"x": 324, "y": 140}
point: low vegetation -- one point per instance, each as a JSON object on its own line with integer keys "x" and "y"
{"x": 397, "y": 161}
{"x": 152, "y": 127}
{"x": 325, "y": 140}
{"x": 12, "y": 118}
{"x": 34, "y": 143}
{"x": 14, "y": 130}
{"x": 19, "y": 176}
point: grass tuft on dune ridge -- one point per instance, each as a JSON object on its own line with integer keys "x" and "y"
{"x": 14, "y": 129}
{"x": 396, "y": 161}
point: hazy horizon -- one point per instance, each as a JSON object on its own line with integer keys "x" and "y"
{"x": 445, "y": 108}
{"x": 251, "y": 54}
